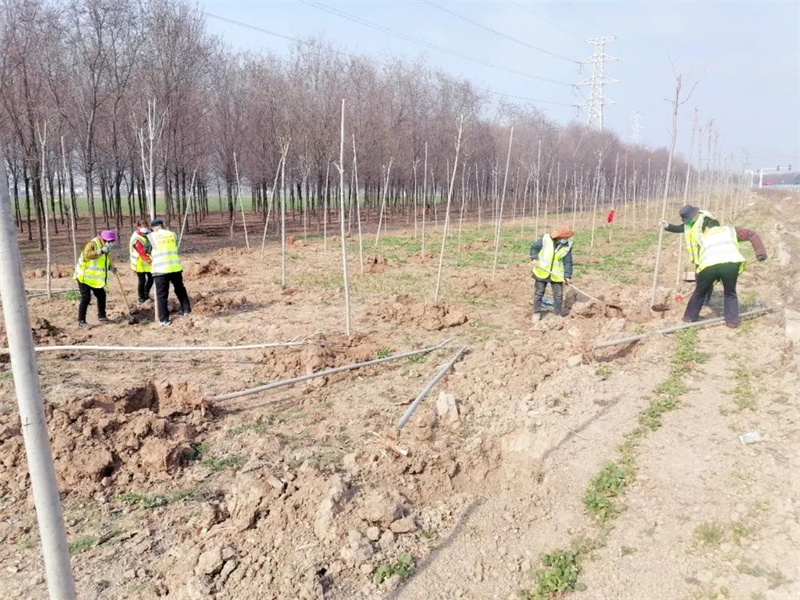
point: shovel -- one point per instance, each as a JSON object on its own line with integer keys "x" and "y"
{"x": 614, "y": 306}
{"x": 131, "y": 319}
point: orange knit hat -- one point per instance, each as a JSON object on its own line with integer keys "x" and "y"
{"x": 563, "y": 231}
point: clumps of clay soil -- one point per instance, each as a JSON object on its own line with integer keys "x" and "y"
{"x": 477, "y": 286}
{"x": 210, "y": 267}
{"x": 376, "y": 264}
{"x": 137, "y": 434}
{"x": 209, "y": 303}
{"x": 56, "y": 271}
{"x": 323, "y": 353}
{"x": 592, "y": 309}
{"x": 47, "y": 334}
{"x": 406, "y": 310}
{"x": 234, "y": 252}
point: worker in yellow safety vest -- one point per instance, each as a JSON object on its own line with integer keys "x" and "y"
{"x": 166, "y": 268}
{"x": 691, "y": 217}
{"x": 91, "y": 272}
{"x": 139, "y": 249}
{"x": 553, "y": 255}
{"x": 719, "y": 259}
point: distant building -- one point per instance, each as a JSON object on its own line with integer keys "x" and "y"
{"x": 782, "y": 178}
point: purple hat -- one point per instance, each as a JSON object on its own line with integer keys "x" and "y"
{"x": 108, "y": 236}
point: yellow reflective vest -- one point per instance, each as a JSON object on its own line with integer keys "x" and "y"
{"x": 164, "y": 252}
{"x": 719, "y": 245}
{"x": 93, "y": 273}
{"x": 551, "y": 260}
{"x": 690, "y": 236}
{"x": 137, "y": 264}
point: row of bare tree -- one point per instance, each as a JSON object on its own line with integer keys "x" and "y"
{"x": 116, "y": 101}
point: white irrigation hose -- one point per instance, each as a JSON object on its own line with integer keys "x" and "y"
{"x": 162, "y": 348}
{"x": 325, "y": 373}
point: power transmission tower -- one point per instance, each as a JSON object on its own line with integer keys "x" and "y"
{"x": 597, "y": 81}
{"x": 636, "y": 128}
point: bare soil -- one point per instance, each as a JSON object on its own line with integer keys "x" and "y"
{"x": 308, "y": 492}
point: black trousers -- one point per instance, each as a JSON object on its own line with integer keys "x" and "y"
{"x": 728, "y": 273}
{"x": 145, "y": 285}
{"x": 539, "y": 288}
{"x": 162, "y": 294}
{"x": 86, "y": 297}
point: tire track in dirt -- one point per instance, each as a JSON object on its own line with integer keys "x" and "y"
{"x": 496, "y": 547}
{"x": 707, "y": 517}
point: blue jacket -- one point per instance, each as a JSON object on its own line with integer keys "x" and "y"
{"x": 536, "y": 247}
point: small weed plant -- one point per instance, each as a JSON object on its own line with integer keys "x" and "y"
{"x": 81, "y": 545}
{"x": 258, "y": 428}
{"x": 222, "y": 463}
{"x": 559, "y": 575}
{"x": 603, "y": 372}
{"x": 384, "y": 352}
{"x": 743, "y": 395}
{"x": 403, "y": 566}
{"x": 709, "y": 534}
{"x": 607, "y": 484}
{"x": 150, "y": 501}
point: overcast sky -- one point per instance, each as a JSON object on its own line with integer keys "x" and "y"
{"x": 744, "y": 56}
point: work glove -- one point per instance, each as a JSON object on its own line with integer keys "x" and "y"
{"x": 114, "y": 270}
{"x": 568, "y": 280}
{"x": 664, "y": 224}
{"x": 148, "y": 260}
{"x": 104, "y": 250}
{"x": 761, "y": 257}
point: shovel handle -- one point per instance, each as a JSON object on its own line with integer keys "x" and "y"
{"x": 124, "y": 295}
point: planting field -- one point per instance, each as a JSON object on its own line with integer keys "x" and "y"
{"x": 543, "y": 469}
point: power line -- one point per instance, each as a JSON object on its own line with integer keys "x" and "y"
{"x": 593, "y": 22}
{"x": 426, "y": 44}
{"x": 254, "y": 28}
{"x": 348, "y": 55}
{"x": 498, "y": 33}
{"x": 530, "y": 100}
{"x": 524, "y": 7}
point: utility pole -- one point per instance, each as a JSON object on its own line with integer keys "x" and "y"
{"x": 597, "y": 81}
{"x": 46, "y": 499}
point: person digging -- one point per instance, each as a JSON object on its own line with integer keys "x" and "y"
{"x": 719, "y": 259}
{"x": 139, "y": 249}
{"x": 552, "y": 254}
{"x": 692, "y": 219}
{"x": 166, "y": 268}
{"x": 91, "y": 272}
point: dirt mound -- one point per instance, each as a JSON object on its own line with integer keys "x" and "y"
{"x": 211, "y": 267}
{"x": 134, "y": 435}
{"x": 234, "y": 252}
{"x": 47, "y": 334}
{"x": 209, "y": 303}
{"x": 411, "y": 311}
{"x": 56, "y": 271}
{"x": 477, "y": 286}
{"x": 285, "y": 363}
{"x": 376, "y": 264}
